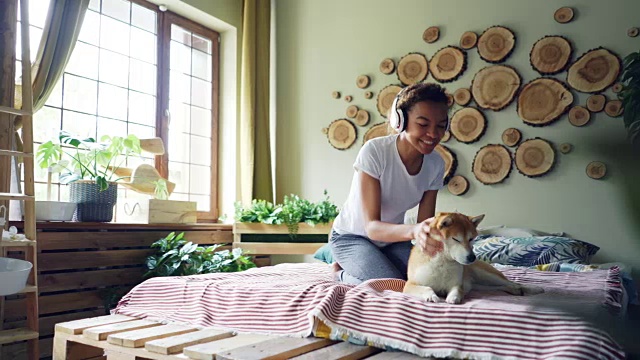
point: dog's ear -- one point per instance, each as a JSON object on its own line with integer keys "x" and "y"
{"x": 446, "y": 222}
{"x": 476, "y": 219}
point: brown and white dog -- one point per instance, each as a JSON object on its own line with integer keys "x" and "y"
{"x": 454, "y": 271}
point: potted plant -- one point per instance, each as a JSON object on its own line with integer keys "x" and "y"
{"x": 89, "y": 168}
{"x": 630, "y": 97}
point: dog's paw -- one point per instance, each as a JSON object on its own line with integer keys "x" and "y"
{"x": 431, "y": 296}
{"x": 454, "y": 298}
{"x": 532, "y": 290}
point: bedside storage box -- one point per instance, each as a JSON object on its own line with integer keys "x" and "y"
{"x": 154, "y": 211}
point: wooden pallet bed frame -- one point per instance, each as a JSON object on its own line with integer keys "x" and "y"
{"x": 119, "y": 337}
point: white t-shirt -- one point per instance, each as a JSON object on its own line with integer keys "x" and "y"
{"x": 400, "y": 191}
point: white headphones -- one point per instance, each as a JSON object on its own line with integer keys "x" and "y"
{"x": 396, "y": 117}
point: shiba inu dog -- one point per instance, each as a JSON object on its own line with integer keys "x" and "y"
{"x": 454, "y": 271}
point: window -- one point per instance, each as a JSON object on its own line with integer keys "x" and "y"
{"x": 137, "y": 70}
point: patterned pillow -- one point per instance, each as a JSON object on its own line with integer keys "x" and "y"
{"x": 533, "y": 250}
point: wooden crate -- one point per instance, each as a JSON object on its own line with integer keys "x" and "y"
{"x": 258, "y": 238}
{"x": 154, "y": 211}
{"x": 123, "y": 337}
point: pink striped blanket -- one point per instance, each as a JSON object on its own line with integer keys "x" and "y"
{"x": 301, "y": 300}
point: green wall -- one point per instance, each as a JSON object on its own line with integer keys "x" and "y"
{"x": 322, "y": 46}
{"x": 229, "y": 11}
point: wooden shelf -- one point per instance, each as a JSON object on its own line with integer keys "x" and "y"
{"x": 15, "y": 153}
{"x": 13, "y": 335}
{"x": 17, "y": 243}
{"x": 10, "y": 196}
{"x": 13, "y": 111}
{"x": 28, "y": 289}
{"x": 291, "y": 248}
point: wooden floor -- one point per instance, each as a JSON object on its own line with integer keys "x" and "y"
{"x": 118, "y": 337}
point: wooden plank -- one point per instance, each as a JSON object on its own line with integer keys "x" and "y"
{"x": 279, "y": 248}
{"x": 103, "y": 331}
{"x": 397, "y": 355}
{"x": 90, "y": 279}
{"x": 279, "y": 348}
{"x": 14, "y": 196}
{"x": 13, "y": 335}
{"x": 78, "y": 326}
{"x": 340, "y": 351}
{"x": 261, "y": 261}
{"x": 209, "y": 351}
{"x": 58, "y": 303}
{"x": 137, "y": 338}
{"x": 92, "y": 259}
{"x": 16, "y": 243}
{"x": 19, "y": 154}
{"x": 48, "y": 323}
{"x": 12, "y": 111}
{"x": 260, "y": 228}
{"x": 175, "y": 344}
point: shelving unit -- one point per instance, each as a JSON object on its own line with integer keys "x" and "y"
{"x": 30, "y": 331}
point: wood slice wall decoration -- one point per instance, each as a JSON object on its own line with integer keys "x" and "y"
{"x": 542, "y": 101}
{"x": 492, "y": 164}
{"x": 458, "y": 185}
{"x": 595, "y": 103}
{"x": 565, "y": 148}
{"x": 596, "y": 170}
{"x": 412, "y": 68}
{"x": 495, "y": 87}
{"x": 511, "y": 136}
{"x": 579, "y": 116}
{"x": 550, "y": 55}
{"x": 341, "y": 134}
{"x": 386, "y": 97}
{"x": 563, "y": 15}
{"x": 613, "y": 108}
{"x": 377, "y": 130}
{"x": 363, "y": 81}
{"x": 352, "y": 111}
{"x": 362, "y": 117}
{"x": 468, "y": 40}
{"x": 387, "y": 66}
{"x": 462, "y": 96}
{"x": 431, "y": 34}
{"x": 496, "y": 44}
{"x": 446, "y": 136}
{"x": 468, "y": 125}
{"x": 535, "y": 157}
{"x": 450, "y": 161}
{"x": 617, "y": 87}
{"x": 448, "y": 64}
{"x": 594, "y": 71}
{"x": 368, "y": 94}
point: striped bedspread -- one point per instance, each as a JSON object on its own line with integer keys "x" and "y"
{"x": 301, "y": 300}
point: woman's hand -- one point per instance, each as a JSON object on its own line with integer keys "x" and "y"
{"x": 421, "y": 233}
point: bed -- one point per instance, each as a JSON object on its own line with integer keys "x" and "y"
{"x": 302, "y": 301}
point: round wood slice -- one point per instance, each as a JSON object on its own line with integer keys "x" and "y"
{"x": 450, "y": 161}
{"x": 511, "y": 136}
{"x": 335, "y": 94}
{"x": 363, "y": 81}
{"x": 633, "y": 32}
{"x": 368, "y": 94}
{"x": 387, "y": 66}
{"x": 617, "y": 87}
{"x": 412, "y": 68}
{"x": 342, "y": 134}
{"x": 495, "y": 87}
{"x": 563, "y": 15}
{"x": 377, "y": 130}
{"x": 458, "y": 185}
{"x": 431, "y": 34}
{"x": 468, "y": 40}
{"x": 462, "y": 96}
{"x": 496, "y": 44}
{"x": 542, "y": 101}
{"x": 565, "y": 148}
{"x": 613, "y": 108}
{"x": 492, "y": 164}
{"x": 386, "y": 97}
{"x": 468, "y": 125}
{"x": 595, "y": 103}
{"x": 550, "y": 55}
{"x": 348, "y": 98}
{"x": 579, "y": 116}
{"x": 352, "y": 110}
{"x": 594, "y": 71}
{"x": 596, "y": 170}
{"x": 448, "y": 64}
{"x": 535, "y": 157}
{"x": 362, "y": 117}
{"x": 446, "y": 136}
{"x": 450, "y": 100}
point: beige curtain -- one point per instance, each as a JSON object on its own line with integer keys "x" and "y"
{"x": 255, "y": 153}
{"x": 59, "y": 36}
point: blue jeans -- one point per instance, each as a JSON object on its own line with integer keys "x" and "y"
{"x": 362, "y": 260}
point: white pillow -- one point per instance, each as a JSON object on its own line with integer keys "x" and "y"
{"x": 505, "y": 231}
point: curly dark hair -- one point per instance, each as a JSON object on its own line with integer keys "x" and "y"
{"x": 416, "y": 93}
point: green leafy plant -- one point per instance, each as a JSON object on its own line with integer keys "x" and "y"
{"x": 161, "y": 192}
{"x": 630, "y": 97}
{"x": 77, "y": 159}
{"x": 178, "y": 257}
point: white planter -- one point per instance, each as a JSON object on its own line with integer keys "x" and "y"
{"x": 13, "y": 275}
{"x": 54, "y": 210}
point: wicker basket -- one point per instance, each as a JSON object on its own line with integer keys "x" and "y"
{"x": 93, "y": 205}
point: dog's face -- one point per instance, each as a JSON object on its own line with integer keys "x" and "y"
{"x": 457, "y": 231}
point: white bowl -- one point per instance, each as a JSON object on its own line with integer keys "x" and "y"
{"x": 55, "y": 210}
{"x": 13, "y": 275}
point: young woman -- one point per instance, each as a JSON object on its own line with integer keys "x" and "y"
{"x": 393, "y": 174}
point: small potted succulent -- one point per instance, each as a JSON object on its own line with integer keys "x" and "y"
{"x": 89, "y": 168}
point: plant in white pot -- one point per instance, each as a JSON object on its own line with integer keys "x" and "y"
{"x": 89, "y": 168}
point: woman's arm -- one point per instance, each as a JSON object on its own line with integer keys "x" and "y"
{"x": 371, "y": 203}
{"x": 426, "y": 212}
